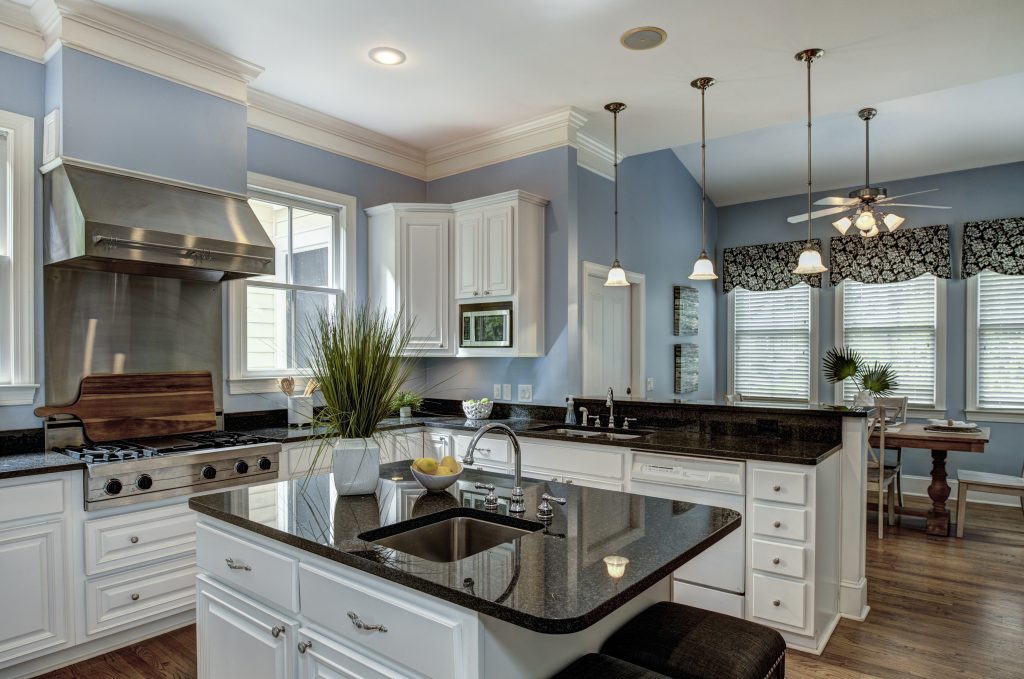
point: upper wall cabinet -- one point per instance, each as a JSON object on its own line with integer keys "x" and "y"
{"x": 483, "y": 252}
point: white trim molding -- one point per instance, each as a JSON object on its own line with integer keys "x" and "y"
{"x": 596, "y": 156}
{"x": 21, "y": 303}
{"x": 18, "y": 32}
{"x": 90, "y": 27}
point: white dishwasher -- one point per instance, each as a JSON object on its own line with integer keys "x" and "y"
{"x": 715, "y": 579}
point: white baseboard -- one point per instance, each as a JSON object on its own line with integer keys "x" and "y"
{"x": 918, "y": 487}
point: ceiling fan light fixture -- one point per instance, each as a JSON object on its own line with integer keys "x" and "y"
{"x": 893, "y": 222}
{"x": 870, "y": 233}
{"x": 809, "y": 262}
{"x": 843, "y": 225}
{"x": 866, "y": 221}
{"x": 703, "y": 269}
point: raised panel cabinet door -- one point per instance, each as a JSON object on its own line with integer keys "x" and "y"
{"x": 32, "y": 590}
{"x": 497, "y": 251}
{"x": 238, "y": 638}
{"x": 324, "y": 658}
{"x": 424, "y": 283}
{"x": 468, "y": 255}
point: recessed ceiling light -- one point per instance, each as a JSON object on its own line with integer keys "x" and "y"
{"x": 643, "y": 37}
{"x": 388, "y": 56}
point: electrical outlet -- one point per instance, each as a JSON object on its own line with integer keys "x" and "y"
{"x": 650, "y": 384}
{"x": 497, "y": 391}
{"x": 506, "y": 392}
{"x": 525, "y": 393}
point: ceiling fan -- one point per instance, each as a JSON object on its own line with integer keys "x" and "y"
{"x": 865, "y": 203}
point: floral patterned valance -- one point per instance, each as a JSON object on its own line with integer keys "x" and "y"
{"x": 891, "y": 257}
{"x": 766, "y": 267}
{"x": 996, "y": 245}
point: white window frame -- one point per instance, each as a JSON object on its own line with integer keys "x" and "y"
{"x": 812, "y": 373}
{"x": 18, "y": 346}
{"x": 271, "y": 188}
{"x": 973, "y": 410}
{"x": 933, "y": 410}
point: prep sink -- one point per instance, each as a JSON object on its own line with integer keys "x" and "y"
{"x": 592, "y": 433}
{"x": 451, "y": 535}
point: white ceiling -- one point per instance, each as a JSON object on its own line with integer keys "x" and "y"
{"x": 475, "y": 65}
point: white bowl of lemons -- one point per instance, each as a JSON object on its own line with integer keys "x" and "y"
{"x": 436, "y": 476}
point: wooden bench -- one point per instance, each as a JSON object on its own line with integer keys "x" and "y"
{"x": 1003, "y": 484}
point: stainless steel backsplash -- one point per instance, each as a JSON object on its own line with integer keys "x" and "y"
{"x": 156, "y": 324}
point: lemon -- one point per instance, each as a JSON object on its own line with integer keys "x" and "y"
{"x": 427, "y": 465}
{"x": 450, "y": 462}
{"x": 447, "y": 471}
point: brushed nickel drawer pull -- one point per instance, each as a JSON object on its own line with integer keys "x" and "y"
{"x": 776, "y": 488}
{"x": 359, "y": 624}
{"x": 135, "y": 596}
{"x": 304, "y": 645}
{"x": 776, "y": 603}
{"x": 236, "y": 566}
{"x": 776, "y": 561}
{"x": 777, "y": 524}
{"x": 277, "y": 631}
{"x": 134, "y": 539}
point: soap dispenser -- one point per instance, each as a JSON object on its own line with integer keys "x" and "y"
{"x": 570, "y": 410}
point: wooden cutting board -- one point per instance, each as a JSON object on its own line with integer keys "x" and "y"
{"x": 137, "y": 405}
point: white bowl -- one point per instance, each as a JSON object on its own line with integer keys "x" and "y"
{"x": 478, "y": 410}
{"x": 436, "y": 482}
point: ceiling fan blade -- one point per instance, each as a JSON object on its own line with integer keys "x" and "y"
{"x": 836, "y": 200}
{"x": 936, "y": 207}
{"x": 904, "y": 195}
{"x": 795, "y": 219}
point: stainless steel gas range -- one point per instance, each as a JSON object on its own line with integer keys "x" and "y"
{"x": 141, "y": 470}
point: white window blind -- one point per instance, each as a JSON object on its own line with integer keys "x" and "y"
{"x": 1000, "y": 348}
{"x": 895, "y": 323}
{"x": 771, "y": 336}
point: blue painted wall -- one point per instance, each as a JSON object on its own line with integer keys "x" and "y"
{"x": 21, "y": 92}
{"x": 984, "y": 193}
{"x": 118, "y": 116}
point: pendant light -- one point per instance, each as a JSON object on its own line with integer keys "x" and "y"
{"x": 703, "y": 268}
{"x": 810, "y": 258}
{"x": 616, "y": 275}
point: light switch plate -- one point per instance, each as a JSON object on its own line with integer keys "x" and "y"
{"x": 525, "y": 393}
{"x": 506, "y": 392}
{"x": 497, "y": 391}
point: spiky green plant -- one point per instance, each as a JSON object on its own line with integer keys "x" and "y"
{"x": 880, "y": 379}
{"x": 842, "y": 363}
{"x": 407, "y": 399}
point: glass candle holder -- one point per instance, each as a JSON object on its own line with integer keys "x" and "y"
{"x": 616, "y": 565}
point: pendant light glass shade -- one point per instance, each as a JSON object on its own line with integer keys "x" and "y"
{"x": 810, "y": 259}
{"x": 616, "y": 275}
{"x": 703, "y": 268}
{"x": 809, "y": 262}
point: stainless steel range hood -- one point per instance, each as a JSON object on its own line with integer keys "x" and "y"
{"x": 104, "y": 221}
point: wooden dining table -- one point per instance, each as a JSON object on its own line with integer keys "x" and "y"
{"x": 941, "y": 443}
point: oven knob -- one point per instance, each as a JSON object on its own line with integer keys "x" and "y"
{"x": 208, "y": 472}
{"x": 144, "y": 482}
{"x": 113, "y": 487}
{"x": 264, "y": 463}
{"x": 241, "y": 466}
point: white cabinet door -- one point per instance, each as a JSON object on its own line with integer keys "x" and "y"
{"x": 323, "y": 658}
{"x": 437, "y": 445}
{"x": 32, "y": 589}
{"x": 425, "y": 279}
{"x": 497, "y": 251}
{"x": 468, "y": 248}
{"x": 397, "y": 446}
{"x": 239, "y": 638}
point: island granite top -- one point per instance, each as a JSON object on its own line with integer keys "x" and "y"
{"x": 552, "y": 581}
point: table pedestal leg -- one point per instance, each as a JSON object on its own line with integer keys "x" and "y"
{"x": 938, "y": 491}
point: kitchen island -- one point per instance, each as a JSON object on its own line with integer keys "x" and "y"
{"x": 295, "y": 581}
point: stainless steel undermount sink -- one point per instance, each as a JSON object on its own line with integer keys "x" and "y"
{"x": 456, "y": 534}
{"x": 593, "y": 433}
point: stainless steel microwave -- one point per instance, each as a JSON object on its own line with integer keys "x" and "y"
{"x": 485, "y": 325}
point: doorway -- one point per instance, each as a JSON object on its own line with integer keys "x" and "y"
{"x": 612, "y": 334}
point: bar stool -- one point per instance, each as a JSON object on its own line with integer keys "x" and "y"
{"x": 682, "y": 642}
{"x": 597, "y": 666}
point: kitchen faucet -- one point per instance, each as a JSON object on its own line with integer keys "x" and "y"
{"x": 610, "y": 402}
{"x": 516, "y": 505}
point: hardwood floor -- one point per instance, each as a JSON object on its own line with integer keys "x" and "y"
{"x": 939, "y": 607}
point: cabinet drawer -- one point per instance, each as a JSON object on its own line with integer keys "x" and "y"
{"x": 248, "y": 567}
{"x": 138, "y": 537}
{"x": 129, "y": 598}
{"x": 775, "y": 557}
{"x": 780, "y": 486}
{"x": 780, "y": 522}
{"x": 28, "y": 499}
{"x": 779, "y": 600}
{"x": 488, "y": 450}
{"x": 593, "y": 461}
{"x": 418, "y": 638}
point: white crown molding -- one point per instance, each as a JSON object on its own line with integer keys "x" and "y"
{"x": 499, "y": 198}
{"x": 549, "y": 131}
{"x": 90, "y": 27}
{"x": 18, "y": 33}
{"x": 307, "y": 126}
{"x": 595, "y": 155}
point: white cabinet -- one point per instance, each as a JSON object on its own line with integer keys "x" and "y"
{"x": 437, "y": 444}
{"x": 468, "y": 248}
{"x": 239, "y": 638}
{"x": 483, "y": 252}
{"x": 323, "y": 658}
{"x": 409, "y": 253}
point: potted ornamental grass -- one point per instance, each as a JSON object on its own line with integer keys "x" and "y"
{"x": 406, "y": 402}
{"x": 357, "y": 358}
{"x": 877, "y": 379}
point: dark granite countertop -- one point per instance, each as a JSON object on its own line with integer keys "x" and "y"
{"x": 26, "y": 464}
{"x": 552, "y": 581}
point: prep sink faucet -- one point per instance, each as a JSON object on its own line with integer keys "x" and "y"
{"x": 516, "y": 504}
{"x": 610, "y": 402}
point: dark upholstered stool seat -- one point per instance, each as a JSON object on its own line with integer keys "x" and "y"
{"x": 683, "y": 642}
{"x": 597, "y": 666}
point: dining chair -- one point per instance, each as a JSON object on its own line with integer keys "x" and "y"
{"x": 881, "y": 478}
{"x": 896, "y": 407}
{"x": 983, "y": 482}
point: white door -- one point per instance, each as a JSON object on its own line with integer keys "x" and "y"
{"x": 238, "y": 638}
{"x": 32, "y": 589}
{"x": 468, "y": 249}
{"x": 425, "y": 279}
{"x": 607, "y": 332}
{"x": 497, "y": 251}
